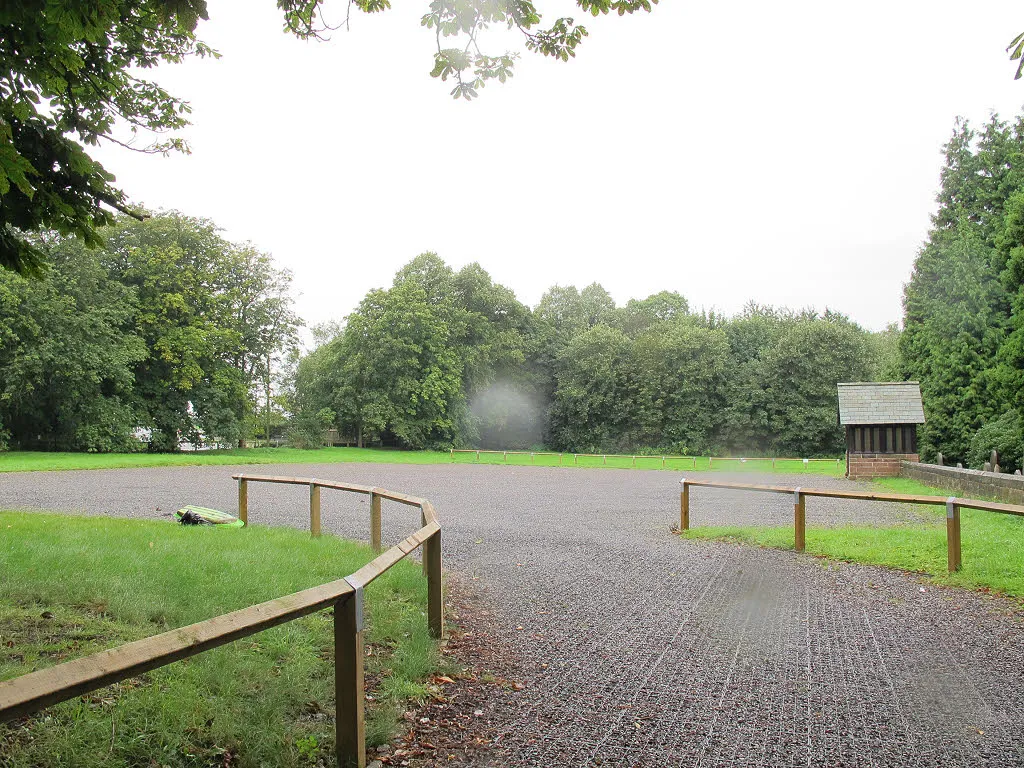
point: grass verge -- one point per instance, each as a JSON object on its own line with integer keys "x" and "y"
{"x": 992, "y": 544}
{"x": 70, "y": 586}
{"x": 27, "y": 461}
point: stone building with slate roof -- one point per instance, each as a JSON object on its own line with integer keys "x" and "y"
{"x": 881, "y": 421}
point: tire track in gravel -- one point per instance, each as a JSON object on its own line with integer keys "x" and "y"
{"x": 641, "y": 650}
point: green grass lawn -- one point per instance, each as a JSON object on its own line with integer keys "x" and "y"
{"x": 25, "y": 461}
{"x": 992, "y": 544}
{"x": 73, "y": 585}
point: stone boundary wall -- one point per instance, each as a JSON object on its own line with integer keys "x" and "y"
{"x": 864, "y": 466}
{"x": 967, "y": 482}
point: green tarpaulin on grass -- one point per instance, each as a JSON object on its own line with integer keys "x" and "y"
{"x": 206, "y": 515}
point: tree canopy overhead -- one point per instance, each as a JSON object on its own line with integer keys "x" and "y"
{"x": 70, "y": 78}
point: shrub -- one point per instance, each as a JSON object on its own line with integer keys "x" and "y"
{"x": 308, "y": 429}
{"x": 1002, "y": 434}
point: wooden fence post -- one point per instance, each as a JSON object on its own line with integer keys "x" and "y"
{"x": 559, "y": 459}
{"x": 314, "y": 508}
{"x": 574, "y": 459}
{"x": 451, "y": 452}
{"x": 243, "y": 500}
{"x": 478, "y": 456}
{"x": 684, "y": 506}
{"x": 349, "y": 694}
{"x": 375, "y": 537}
{"x": 435, "y": 606}
{"x": 953, "y": 535}
{"x": 711, "y": 460}
{"x": 634, "y": 462}
{"x": 799, "y": 519}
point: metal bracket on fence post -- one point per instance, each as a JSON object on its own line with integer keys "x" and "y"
{"x": 358, "y": 596}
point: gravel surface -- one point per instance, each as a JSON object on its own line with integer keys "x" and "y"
{"x": 638, "y": 649}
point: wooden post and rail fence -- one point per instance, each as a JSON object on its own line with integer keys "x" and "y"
{"x": 633, "y": 457}
{"x": 29, "y": 693}
{"x": 952, "y": 504}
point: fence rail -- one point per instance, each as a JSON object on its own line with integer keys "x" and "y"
{"x": 953, "y": 506}
{"x": 29, "y": 693}
{"x": 605, "y": 456}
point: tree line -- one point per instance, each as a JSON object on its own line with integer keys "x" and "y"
{"x": 451, "y": 358}
{"x": 963, "y": 332}
{"x": 166, "y": 333}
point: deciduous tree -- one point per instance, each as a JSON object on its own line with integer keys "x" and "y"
{"x": 68, "y": 352}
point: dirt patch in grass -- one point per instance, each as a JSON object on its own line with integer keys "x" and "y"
{"x": 32, "y": 634}
{"x": 460, "y": 720}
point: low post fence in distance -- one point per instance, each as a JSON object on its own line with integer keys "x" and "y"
{"x": 29, "y": 693}
{"x": 664, "y": 459}
{"x": 772, "y": 459}
{"x": 952, "y": 504}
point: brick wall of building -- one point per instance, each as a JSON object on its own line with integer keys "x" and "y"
{"x": 863, "y": 466}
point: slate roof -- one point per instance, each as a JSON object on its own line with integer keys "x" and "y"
{"x": 885, "y": 402}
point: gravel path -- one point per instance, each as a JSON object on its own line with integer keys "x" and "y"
{"x": 638, "y": 649}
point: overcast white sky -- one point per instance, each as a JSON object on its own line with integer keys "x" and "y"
{"x": 786, "y": 153}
